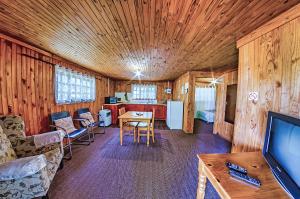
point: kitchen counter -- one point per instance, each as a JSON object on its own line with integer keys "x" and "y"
{"x": 160, "y": 109}
{"x": 124, "y": 103}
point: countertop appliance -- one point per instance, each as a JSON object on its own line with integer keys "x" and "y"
{"x": 174, "y": 114}
{"x": 105, "y": 114}
{"x": 111, "y": 100}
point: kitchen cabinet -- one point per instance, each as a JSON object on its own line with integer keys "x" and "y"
{"x": 135, "y": 107}
{"x": 160, "y": 110}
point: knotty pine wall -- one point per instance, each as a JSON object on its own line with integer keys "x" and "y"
{"x": 125, "y": 86}
{"x": 269, "y": 63}
{"x": 185, "y": 98}
{"x": 222, "y": 128}
{"x": 27, "y": 85}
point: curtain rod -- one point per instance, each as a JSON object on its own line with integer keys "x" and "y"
{"x": 47, "y": 62}
{"x": 37, "y": 59}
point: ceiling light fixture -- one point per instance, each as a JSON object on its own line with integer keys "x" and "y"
{"x": 214, "y": 81}
{"x": 138, "y": 73}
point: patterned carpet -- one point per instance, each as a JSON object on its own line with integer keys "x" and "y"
{"x": 166, "y": 169}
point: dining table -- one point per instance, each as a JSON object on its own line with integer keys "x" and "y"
{"x": 135, "y": 116}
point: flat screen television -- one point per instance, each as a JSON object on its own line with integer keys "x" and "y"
{"x": 282, "y": 151}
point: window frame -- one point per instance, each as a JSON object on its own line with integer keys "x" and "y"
{"x": 72, "y": 87}
{"x": 144, "y": 91}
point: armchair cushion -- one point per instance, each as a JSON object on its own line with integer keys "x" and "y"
{"x": 22, "y": 167}
{"x": 44, "y": 139}
{"x": 66, "y": 123}
{"x": 89, "y": 119}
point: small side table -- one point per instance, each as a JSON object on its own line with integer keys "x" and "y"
{"x": 212, "y": 166}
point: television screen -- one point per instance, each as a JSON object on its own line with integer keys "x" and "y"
{"x": 282, "y": 150}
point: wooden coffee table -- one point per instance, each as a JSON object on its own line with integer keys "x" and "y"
{"x": 212, "y": 166}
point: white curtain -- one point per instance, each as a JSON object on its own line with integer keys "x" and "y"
{"x": 72, "y": 86}
{"x": 205, "y": 99}
{"x": 144, "y": 91}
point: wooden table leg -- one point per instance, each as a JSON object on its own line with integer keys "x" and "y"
{"x": 121, "y": 132}
{"x": 148, "y": 132}
{"x": 134, "y": 134}
{"x": 201, "y": 181}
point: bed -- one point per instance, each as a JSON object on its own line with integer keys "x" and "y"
{"x": 206, "y": 115}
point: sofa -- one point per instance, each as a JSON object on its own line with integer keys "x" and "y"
{"x": 28, "y": 164}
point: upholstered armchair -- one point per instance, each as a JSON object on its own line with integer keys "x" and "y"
{"x": 28, "y": 164}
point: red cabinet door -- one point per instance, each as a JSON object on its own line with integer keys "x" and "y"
{"x": 148, "y": 108}
{"x": 134, "y": 107}
{"x": 160, "y": 111}
{"x": 164, "y": 112}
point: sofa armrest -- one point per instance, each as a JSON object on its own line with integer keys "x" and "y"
{"x": 22, "y": 167}
{"x": 25, "y": 146}
{"x": 45, "y": 139}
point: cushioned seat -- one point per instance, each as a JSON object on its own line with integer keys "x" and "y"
{"x": 76, "y": 133}
{"x": 143, "y": 124}
{"x": 131, "y": 124}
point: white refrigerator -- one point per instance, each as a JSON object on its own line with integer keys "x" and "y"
{"x": 174, "y": 114}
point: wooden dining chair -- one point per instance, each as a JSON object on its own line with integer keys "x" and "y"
{"x": 129, "y": 126}
{"x": 143, "y": 126}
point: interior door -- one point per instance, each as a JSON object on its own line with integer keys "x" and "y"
{"x": 230, "y": 103}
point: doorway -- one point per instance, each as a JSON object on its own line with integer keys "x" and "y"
{"x": 205, "y": 103}
{"x": 231, "y": 95}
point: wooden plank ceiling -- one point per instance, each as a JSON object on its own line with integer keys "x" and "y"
{"x": 161, "y": 38}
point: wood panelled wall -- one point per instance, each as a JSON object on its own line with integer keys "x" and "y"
{"x": 269, "y": 63}
{"x": 125, "y": 86}
{"x": 224, "y": 129}
{"x": 27, "y": 85}
{"x": 178, "y": 95}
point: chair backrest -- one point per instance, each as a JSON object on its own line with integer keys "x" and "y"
{"x": 13, "y": 126}
{"x": 153, "y": 116}
{"x": 86, "y": 114}
{"x": 64, "y": 120}
{"x": 59, "y": 115}
{"x": 83, "y": 110}
{"x": 122, "y": 111}
{"x": 6, "y": 151}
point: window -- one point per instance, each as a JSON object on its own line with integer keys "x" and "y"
{"x": 72, "y": 87}
{"x": 143, "y": 92}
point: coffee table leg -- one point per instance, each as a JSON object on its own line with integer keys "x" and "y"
{"x": 201, "y": 181}
{"x": 121, "y": 131}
